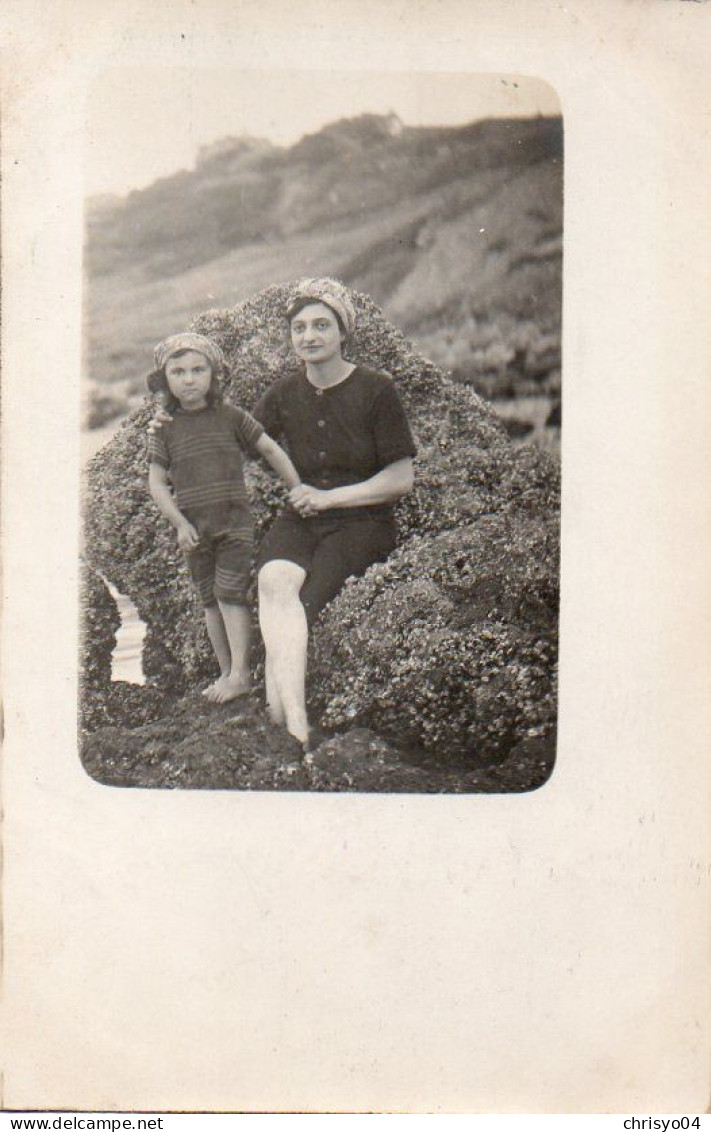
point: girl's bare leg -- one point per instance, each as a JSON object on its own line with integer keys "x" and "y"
{"x": 238, "y": 630}
{"x": 283, "y": 624}
{"x": 220, "y": 644}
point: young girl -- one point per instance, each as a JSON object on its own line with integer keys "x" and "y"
{"x": 199, "y": 454}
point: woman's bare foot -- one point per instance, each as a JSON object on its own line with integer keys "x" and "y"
{"x": 300, "y": 731}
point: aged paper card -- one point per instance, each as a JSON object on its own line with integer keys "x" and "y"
{"x": 537, "y": 953}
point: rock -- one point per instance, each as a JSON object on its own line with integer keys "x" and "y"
{"x": 362, "y": 760}
{"x": 198, "y": 745}
{"x": 100, "y": 622}
{"x": 204, "y": 747}
{"x": 451, "y": 644}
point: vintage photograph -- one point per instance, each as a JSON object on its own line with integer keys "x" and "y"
{"x": 321, "y": 431}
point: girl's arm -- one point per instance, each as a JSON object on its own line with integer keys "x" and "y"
{"x": 188, "y": 537}
{"x": 275, "y": 455}
{"x": 385, "y": 486}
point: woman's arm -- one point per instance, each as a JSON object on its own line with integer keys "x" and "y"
{"x": 275, "y": 455}
{"x": 159, "y": 418}
{"x": 385, "y": 486}
{"x": 188, "y": 537}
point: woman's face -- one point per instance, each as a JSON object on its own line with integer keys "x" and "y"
{"x": 315, "y": 333}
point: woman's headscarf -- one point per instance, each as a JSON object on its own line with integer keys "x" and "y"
{"x": 330, "y": 292}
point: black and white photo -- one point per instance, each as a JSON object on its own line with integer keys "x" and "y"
{"x": 384, "y": 299}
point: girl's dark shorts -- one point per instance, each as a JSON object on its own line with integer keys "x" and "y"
{"x": 220, "y": 566}
{"x": 328, "y": 549}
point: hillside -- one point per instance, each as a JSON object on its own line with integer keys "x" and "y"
{"x": 455, "y": 232}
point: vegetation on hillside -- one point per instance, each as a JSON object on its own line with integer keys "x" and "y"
{"x": 455, "y": 232}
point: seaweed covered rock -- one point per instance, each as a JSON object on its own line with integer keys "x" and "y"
{"x": 450, "y": 644}
{"x": 467, "y": 471}
{"x": 100, "y": 620}
{"x": 203, "y": 746}
{"x": 197, "y": 745}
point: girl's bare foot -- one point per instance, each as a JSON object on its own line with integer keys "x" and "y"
{"x": 229, "y": 688}
{"x": 209, "y": 692}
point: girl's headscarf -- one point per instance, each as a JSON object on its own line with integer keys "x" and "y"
{"x": 185, "y": 341}
{"x": 188, "y": 341}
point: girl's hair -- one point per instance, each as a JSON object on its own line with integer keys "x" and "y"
{"x": 306, "y": 301}
{"x": 158, "y": 383}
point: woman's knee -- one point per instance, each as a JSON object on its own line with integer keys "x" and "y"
{"x": 280, "y": 581}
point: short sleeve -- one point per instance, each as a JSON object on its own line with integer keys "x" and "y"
{"x": 248, "y": 430}
{"x": 393, "y": 436}
{"x": 267, "y": 413}
{"x": 158, "y": 449}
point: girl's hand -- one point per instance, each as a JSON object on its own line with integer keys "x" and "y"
{"x": 307, "y": 500}
{"x": 159, "y": 418}
{"x": 188, "y": 538}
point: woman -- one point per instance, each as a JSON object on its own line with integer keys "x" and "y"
{"x": 348, "y": 436}
{"x": 349, "y": 439}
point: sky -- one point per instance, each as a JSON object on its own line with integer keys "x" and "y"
{"x": 142, "y": 124}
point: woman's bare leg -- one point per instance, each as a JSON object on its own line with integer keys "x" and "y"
{"x": 274, "y": 705}
{"x": 283, "y": 623}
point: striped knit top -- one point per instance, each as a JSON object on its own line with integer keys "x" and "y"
{"x": 203, "y": 452}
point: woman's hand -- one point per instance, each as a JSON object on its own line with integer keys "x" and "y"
{"x": 159, "y": 418}
{"x": 387, "y": 485}
{"x": 188, "y": 538}
{"x": 307, "y": 500}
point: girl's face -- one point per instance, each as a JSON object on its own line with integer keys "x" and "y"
{"x": 189, "y": 378}
{"x": 315, "y": 334}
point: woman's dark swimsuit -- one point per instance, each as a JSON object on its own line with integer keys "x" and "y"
{"x": 335, "y": 437}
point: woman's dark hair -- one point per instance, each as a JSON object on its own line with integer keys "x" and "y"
{"x": 158, "y": 383}
{"x": 305, "y": 301}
